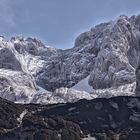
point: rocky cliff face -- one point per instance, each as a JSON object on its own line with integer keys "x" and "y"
{"x": 106, "y": 56}
{"x": 99, "y": 119}
{"x": 138, "y": 80}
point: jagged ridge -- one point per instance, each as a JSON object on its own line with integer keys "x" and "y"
{"x": 108, "y": 55}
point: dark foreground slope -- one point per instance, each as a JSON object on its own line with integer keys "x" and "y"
{"x": 104, "y": 119}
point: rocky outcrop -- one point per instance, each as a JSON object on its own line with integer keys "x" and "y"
{"x": 138, "y": 81}
{"x": 99, "y": 119}
{"x": 107, "y": 56}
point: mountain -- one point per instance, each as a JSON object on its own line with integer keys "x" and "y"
{"x": 104, "y": 59}
{"x": 117, "y": 118}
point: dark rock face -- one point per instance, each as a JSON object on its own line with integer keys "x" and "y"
{"x": 138, "y": 80}
{"x": 8, "y": 60}
{"x": 9, "y": 113}
{"x": 103, "y": 119}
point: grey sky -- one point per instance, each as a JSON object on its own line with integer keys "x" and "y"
{"x": 58, "y": 22}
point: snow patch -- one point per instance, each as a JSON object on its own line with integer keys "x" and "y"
{"x": 72, "y": 108}
{"x": 83, "y": 85}
{"x": 22, "y": 116}
{"x": 59, "y": 135}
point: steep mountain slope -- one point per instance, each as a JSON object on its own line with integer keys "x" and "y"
{"x": 108, "y": 55}
{"x": 116, "y": 118}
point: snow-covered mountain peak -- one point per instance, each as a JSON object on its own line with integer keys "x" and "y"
{"x": 102, "y": 59}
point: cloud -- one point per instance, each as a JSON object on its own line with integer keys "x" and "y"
{"x": 6, "y": 14}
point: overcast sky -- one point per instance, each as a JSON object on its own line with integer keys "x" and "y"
{"x": 58, "y": 22}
